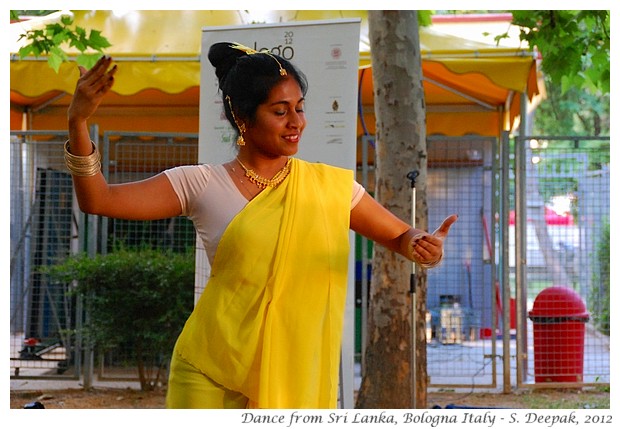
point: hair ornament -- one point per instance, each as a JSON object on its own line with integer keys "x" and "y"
{"x": 250, "y": 51}
{"x": 245, "y": 49}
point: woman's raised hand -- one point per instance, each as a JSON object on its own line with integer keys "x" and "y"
{"x": 91, "y": 87}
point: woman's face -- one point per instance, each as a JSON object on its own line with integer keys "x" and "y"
{"x": 279, "y": 122}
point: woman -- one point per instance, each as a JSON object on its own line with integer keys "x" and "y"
{"x": 266, "y": 331}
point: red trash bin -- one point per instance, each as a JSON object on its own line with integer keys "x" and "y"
{"x": 559, "y": 317}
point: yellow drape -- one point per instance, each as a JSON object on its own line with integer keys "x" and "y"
{"x": 269, "y": 322}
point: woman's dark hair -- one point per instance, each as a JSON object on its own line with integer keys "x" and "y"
{"x": 248, "y": 79}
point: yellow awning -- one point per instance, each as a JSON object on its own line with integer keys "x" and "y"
{"x": 155, "y": 49}
{"x": 160, "y": 51}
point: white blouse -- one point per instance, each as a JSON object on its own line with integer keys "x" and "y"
{"x": 210, "y": 199}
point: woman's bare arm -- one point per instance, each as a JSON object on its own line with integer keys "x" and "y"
{"x": 153, "y": 198}
{"x": 372, "y": 220}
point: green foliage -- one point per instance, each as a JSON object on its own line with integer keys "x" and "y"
{"x": 599, "y": 300}
{"x": 50, "y": 40}
{"x": 575, "y": 49}
{"x": 574, "y": 112}
{"x": 575, "y": 45}
{"x": 425, "y": 18}
{"x": 563, "y": 165}
{"x": 15, "y": 14}
{"x": 135, "y": 298}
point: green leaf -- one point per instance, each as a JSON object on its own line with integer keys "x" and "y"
{"x": 79, "y": 44}
{"x": 80, "y": 32}
{"x": 87, "y": 60}
{"x": 66, "y": 20}
{"x": 59, "y": 38}
{"x": 98, "y": 41}
{"x": 54, "y": 60}
{"x": 425, "y": 18}
{"x": 51, "y": 30}
{"x": 499, "y": 37}
{"x": 51, "y": 39}
{"x": 570, "y": 42}
{"x": 24, "y": 51}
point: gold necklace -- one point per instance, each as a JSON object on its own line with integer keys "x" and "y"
{"x": 249, "y": 192}
{"x": 262, "y": 182}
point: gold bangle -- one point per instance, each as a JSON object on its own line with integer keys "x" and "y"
{"x": 83, "y": 166}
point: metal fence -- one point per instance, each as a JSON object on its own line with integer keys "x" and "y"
{"x": 461, "y": 293}
{"x": 132, "y": 156}
{"x": 44, "y": 230}
{"x": 47, "y": 226}
{"x": 564, "y": 306}
{"x": 479, "y": 333}
{"x": 136, "y": 156}
{"x": 471, "y": 318}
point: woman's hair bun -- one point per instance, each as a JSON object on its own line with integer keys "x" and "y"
{"x": 223, "y": 58}
{"x": 246, "y": 79}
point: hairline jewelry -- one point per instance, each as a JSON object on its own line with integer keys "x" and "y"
{"x": 265, "y": 51}
{"x": 240, "y": 127}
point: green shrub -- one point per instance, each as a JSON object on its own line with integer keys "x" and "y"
{"x": 134, "y": 298}
{"x": 599, "y": 300}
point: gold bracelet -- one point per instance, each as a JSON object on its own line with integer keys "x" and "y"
{"x": 83, "y": 166}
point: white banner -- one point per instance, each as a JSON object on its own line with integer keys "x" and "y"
{"x": 327, "y": 52}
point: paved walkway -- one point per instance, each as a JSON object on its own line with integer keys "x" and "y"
{"x": 461, "y": 365}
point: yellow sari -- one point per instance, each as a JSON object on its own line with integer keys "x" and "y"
{"x": 269, "y": 322}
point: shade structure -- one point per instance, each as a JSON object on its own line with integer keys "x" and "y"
{"x": 470, "y": 87}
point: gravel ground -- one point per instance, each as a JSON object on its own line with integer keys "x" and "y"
{"x": 101, "y": 398}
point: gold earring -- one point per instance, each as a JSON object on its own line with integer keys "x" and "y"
{"x": 240, "y": 139}
{"x": 241, "y": 127}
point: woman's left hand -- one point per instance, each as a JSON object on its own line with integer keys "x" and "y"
{"x": 427, "y": 249}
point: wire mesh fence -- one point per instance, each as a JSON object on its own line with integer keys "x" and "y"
{"x": 461, "y": 296}
{"x": 137, "y": 156}
{"x": 43, "y": 229}
{"x": 568, "y": 261}
{"x": 132, "y": 157}
{"x": 567, "y": 238}
{"x": 47, "y": 320}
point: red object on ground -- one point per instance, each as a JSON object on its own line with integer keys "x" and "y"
{"x": 559, "y": 316}
{"x": 31, "y": 341}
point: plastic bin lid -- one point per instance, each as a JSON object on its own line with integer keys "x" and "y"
{"x": 558, "y": 301}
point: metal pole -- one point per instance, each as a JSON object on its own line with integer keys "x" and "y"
{"x": 412, "y": 175}
{"x": 364, "y": 256}
{"x": 504, "y": 210}
{"x": 520, "y": 244}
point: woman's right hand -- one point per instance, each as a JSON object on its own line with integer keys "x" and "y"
{"x": 149, "y": 199}
{"x": 91, "y": 87}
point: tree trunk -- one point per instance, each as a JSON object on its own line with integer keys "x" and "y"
{"x": 145, "y": 386}
{"x": 400, "y": 148}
